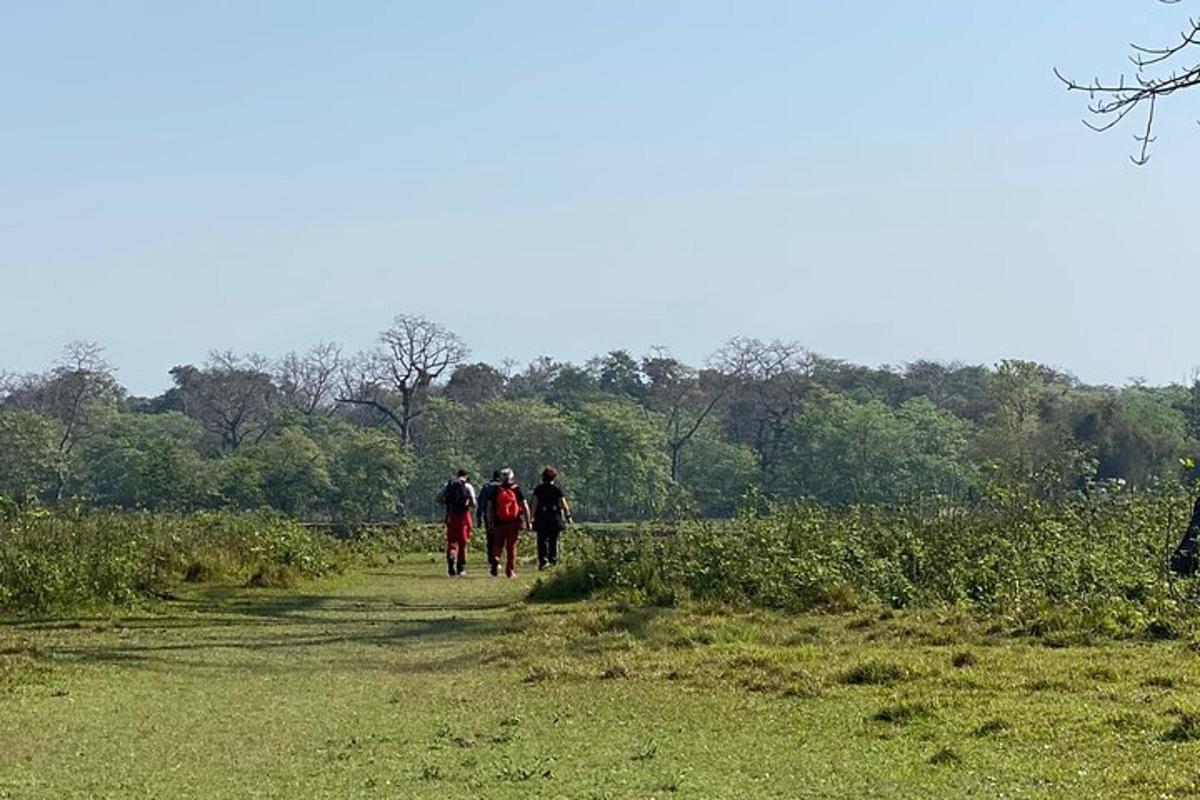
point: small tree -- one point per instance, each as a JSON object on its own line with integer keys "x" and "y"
{"x": 293, "y": 473}
{"x": 370, "y": 471}
{"x": 29, "y": 456}
{"x": 623, "y": 472}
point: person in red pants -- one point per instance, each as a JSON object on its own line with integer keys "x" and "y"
{"x": 508, "y": 515}
{"x": 459, "y": 498}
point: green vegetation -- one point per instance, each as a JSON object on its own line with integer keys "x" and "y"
{"x": 323, "y": 436}
{"x": 829, "y": 580}
{"x": 62, "y": 563}
{"x": 396, "y": 681}
{"x": 1081, "y": 565}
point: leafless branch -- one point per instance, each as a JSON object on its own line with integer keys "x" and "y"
{"x": 1158, "y": 75}
{"x": 394, "y": 377}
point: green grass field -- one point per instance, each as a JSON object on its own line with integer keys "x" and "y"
{"x": 397, "y": 681}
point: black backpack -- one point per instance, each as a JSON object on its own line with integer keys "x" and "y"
{"x": 456, "y": 496}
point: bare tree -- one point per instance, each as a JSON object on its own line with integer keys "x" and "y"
{"x": 394, "y": 378}
{"x": 9, "y": 381}
{"x": 685, "y": 397}
{"x": 774, "y": 378}
{"x": 307, "y": 381}
{"x": 78, "y": 392}
{"x": 68, "y": 392}
{"x": 231, "y": 396}
{"x": 1159, "y": 72}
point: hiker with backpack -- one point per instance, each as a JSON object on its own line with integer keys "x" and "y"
{"x": 481, "y": 516}
{"x": 551, "y": 513}
{"x": 508, "y": 515}
{"x": 458, "y": 496}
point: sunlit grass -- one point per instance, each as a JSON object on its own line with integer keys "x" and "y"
{"x": 399, "y": 682}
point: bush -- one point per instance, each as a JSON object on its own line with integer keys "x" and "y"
{"x": 1094, "y": 562}
{"x": 58, "y": 562}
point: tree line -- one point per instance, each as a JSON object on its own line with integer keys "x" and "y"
{"x": 326, "y": 435}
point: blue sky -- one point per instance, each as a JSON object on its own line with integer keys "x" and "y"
{"x": 880, "y": 181}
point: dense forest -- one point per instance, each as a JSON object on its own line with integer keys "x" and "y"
{"x": 325, "y": 435}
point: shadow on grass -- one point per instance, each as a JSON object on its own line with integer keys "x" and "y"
{"x": 232, "y": 607}
{"x": 396, "y": 637}
{"x": 233, "y": 627}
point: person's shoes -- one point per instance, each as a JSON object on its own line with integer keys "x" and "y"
{"x": 462, "y": 570}
{"x": 495, "y": 569}
{"x": 451, "y": 570}
{"x": 542, "y": 565}
{"x": 510, "y": 575}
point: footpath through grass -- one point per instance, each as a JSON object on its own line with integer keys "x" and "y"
{"x": 400, "y": 682}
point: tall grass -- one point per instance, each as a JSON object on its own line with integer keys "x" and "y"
{"x": 1100, "y": 558}
{"x": 57, "y": 562}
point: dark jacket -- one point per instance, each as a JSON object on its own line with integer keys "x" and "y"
{"x": 485, "y": 497}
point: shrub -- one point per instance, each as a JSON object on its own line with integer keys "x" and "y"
{"x": 58, "y": 562}
{"x": 1090, "y": 563}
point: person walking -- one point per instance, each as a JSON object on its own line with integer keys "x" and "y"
{"x": 481, "y": 514}
{"x": 508, "y": 515}
{"x": 551, "y": 513}
{"x": 459, "y": 498}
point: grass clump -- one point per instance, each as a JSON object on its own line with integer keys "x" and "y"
{"x": 902, "y": 713}
{"x": 946, "y": 757}
{"x": 274, "y": 577}
{"x": 993, "y": 727}
{"x": 876, "y": 673}
{"x": 615, "y": 671}
{"x": 1186, "y": 728}
{"x": 964, "y": 659}
{"x": 1128, "y": 722}
{"x": 540, "y": 673}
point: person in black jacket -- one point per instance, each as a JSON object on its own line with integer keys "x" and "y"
{"x": 486, "y": 492}
{"x": 1183, "y": 560}
{"x": 551, "y": 513}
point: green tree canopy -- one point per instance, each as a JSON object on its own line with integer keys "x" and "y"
{"x": 623, "y": 469}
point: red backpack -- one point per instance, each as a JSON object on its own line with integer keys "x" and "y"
{"x": 507, "y": 507}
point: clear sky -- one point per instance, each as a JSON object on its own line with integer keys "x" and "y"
{"x": 880, "y": 181}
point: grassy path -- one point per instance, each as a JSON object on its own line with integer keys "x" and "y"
{"x": 400, "y": 682}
